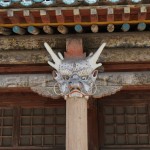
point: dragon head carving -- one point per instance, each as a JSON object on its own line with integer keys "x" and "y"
{"x": 75, "y": 77}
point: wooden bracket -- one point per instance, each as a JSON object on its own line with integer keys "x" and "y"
{"x": 74, "y": 48}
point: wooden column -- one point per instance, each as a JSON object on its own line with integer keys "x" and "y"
{"x": 76, "y": 108}
{"x": 76, "y": 124}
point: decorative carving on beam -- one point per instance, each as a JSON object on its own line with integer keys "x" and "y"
{"x": 75, "y": 74}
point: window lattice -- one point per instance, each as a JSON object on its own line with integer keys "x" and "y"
{"x": 42, "y": 127}
{"x": 126, "y": 125}
{"x": 6, "y": 127}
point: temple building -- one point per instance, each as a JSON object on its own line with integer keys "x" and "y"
{"x": 99, "y": 49}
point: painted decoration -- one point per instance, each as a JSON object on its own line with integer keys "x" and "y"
{"x": 136, "y": 1}
{"x": 16, "y": 1}
{"x": 37, "y": 1}
{"x": 90, "y": 1}
{"x": 69, "y": 2}
{"x": 48, "y": 2}
{"x": 114, "y": 1}
{"x": 5, "y": 3}
{"x": 75, "y": 77}
{"x": 26, "y": 2}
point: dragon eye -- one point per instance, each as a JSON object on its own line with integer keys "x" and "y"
{"x": 66, "y": 77}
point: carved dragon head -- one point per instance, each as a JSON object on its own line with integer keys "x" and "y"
{"x": 75, "y": 77}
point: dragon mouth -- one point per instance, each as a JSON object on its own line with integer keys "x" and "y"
{"x": 76, "y": 93}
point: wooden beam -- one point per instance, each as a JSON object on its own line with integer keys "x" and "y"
{"x": 117, "y": 40}
{"x": 28, "y": 16}
{"x": 25, "y": 69}
{"x": 136, "y": 88}
{"x": 45, "y": 68}
{"x": 126, "y": 67}
{"x": 109, "y": 55}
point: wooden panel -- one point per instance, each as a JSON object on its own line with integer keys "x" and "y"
{"x": 25, "y": 97}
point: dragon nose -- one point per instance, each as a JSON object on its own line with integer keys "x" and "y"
{"x": 74, "y": 85}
